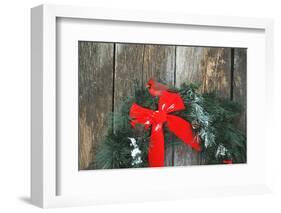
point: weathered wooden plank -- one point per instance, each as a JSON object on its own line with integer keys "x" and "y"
{"x": 95, "y": 96}
{"x": 240, "y": 84}
{"x": 211, "y": 68}
{"x": 189, "y": 64}
{"x": 128, "y": 69}
{"x": 159, "y": 64}
{"x": 188, "y": 70}
{"x": 216, "y": 71}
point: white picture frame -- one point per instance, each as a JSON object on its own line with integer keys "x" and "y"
{"x": 45, "y": 156}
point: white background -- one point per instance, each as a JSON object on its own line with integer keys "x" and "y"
{"x": 15, "y": 105}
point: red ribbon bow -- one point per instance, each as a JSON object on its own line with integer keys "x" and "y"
{"x": 168, "y": 102}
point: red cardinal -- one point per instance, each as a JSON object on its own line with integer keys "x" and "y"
{"x": 155, "y": 88}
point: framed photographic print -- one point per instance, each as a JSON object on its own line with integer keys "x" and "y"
{"x": 149, "y": 106}
{"x": 129, "y": 120}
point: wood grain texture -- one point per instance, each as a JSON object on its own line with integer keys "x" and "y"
{"x": 240, "y": 84}
{"x": 95, "y": 96}
{"x": 216, "y": 71}
{"x": 211, "y": 68}
{"x": 189, "y": 65}
{"x": 159, "y": 64}
{"x": 128, "y": 69}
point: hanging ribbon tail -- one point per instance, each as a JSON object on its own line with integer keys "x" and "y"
{"x": 156, "y": 146}
{"x": 183, "y": 130}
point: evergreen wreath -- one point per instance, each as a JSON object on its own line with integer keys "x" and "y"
{"x": 213, "y": 120}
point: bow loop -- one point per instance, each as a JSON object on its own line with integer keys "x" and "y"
{"x": 170, "y": 102}
{"x": 141, "y": 115}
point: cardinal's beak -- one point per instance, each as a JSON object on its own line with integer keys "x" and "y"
{"x": 148, "y": 86}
